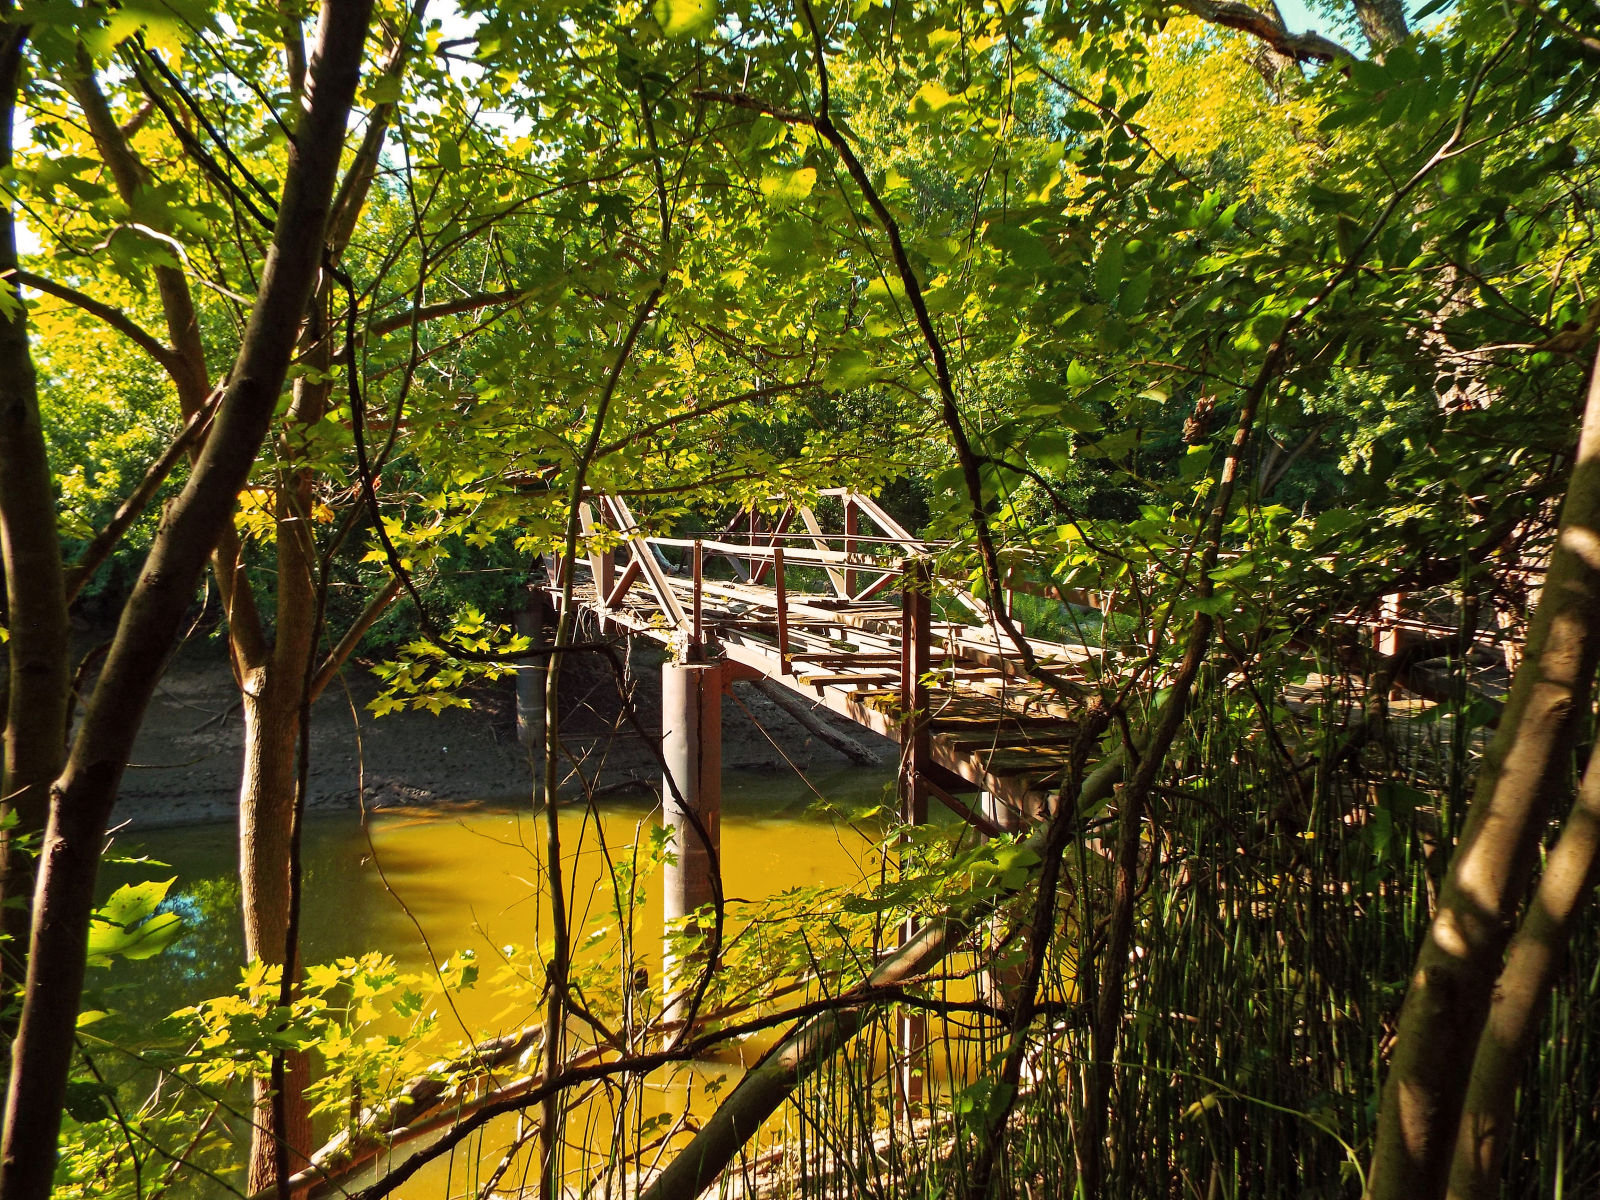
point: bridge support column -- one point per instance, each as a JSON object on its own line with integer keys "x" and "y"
{"x": 916, "y": 759}
{"x": 691, "y": 744}
{"x": 532, "y": 673}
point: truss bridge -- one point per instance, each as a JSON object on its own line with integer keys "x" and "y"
{"x": 854, "y": 618}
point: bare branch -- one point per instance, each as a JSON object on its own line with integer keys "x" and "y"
{"x": 1589, "y": 44}
{"x": 704, "y": 410}
{"x": 445, "y": 308}
{"x": 352, "y": 195}
{"x": 337, "y": 657}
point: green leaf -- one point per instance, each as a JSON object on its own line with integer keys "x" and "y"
{"x": 766, "y": 132}
{"x": 1334, "y": 521}
{"x": 1021, "y": 246}
{"x": 851, "y": 367}
{"x": 383, "y": 90}
{"x": 933, "y": 97}
{"x": 1134, "y": 294}
{"x": 166, "y": 27}
{"x": 1401, "y": 800}
{"x": 1239, "y": 570}
{"x": 1461, "y": 177}
{"x": 86, "y": 1101}
{"x": 1207, "y": 1103}
{"x": 1082, "y": 120}
{"x": 1108, "y": 271}
{"x": 128, "y": 926}
{"x": 685, "y": 18}
{"x": 786, "y": 188}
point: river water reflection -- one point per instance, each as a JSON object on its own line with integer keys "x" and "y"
{"x": 425, "y": 884}
{"x": 467, "y": 877}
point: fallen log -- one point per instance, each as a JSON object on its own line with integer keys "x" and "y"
{"x": 446, "y": 1094}
{"x": 764, "y": 1088}
{"x": 376, "y": 1130}
{"x": 759, "y": 1092}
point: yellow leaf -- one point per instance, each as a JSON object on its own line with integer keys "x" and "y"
{"x": 933, "y": 96}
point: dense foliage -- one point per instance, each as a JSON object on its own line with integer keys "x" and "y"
{"x": 1234, "y": 330}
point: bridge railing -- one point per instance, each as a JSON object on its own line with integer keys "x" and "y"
{"x": 859, "y": 565}
{"x": 780, "y": 559}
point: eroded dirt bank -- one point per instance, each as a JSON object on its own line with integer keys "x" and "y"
{"x": 186, "y": 764}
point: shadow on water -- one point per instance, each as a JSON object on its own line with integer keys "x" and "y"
{"x": 468, "y": 877}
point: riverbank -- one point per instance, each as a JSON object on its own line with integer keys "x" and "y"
{"x": 186, "y": 763}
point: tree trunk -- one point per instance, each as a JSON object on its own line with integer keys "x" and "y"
{"x": 86, "y": 789}
{"x": 1532, "y": 964}
{"x": 272, "y": 697}
{"x": 266, "y": 807}
{"x": 38, "y": 674}
{"x": 1383, "y": 23}
{"x": 266, "y": 814}
{"x": 270, "y": 677}
{"x": 1454, "y": 979}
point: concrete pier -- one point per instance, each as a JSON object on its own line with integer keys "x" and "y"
{"x": 691, "y": 744}
{"x": 916, "y": 759}
{"x": 532, "y": 672}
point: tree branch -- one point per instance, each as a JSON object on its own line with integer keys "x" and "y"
{"x": 1302, "y": 47}
{"x": 353, "y": 188}
{"x": 1588, "y": 43}
{"x": 101, "y": 545}
{"x": 337, "y": 657}
{"x": 247, "y": 642}
{"x": 654, "y": 427}
{"x": 164, "y": 356}
{"x": 128, "y": 172}
{"x": 444, "y": 308}
{"x": 294, "y": 49}
{"x": 196, "y": 150}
